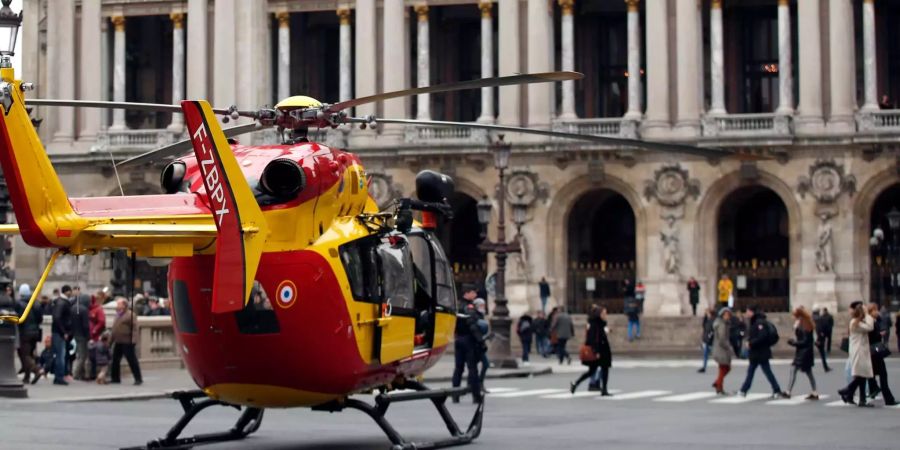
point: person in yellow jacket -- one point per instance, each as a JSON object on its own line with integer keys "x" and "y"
{"x": 726, "y": 288}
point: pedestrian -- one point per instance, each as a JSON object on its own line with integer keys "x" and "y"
{"x": 564, "y": 329}
{"x": 544, "y": 289}
{"x": 706, "y": 339}
{"x": 97, "y": 320}
{"x": 541, "y": 334}
{"x": 468, "y": 336}
{"x": 726, "y": 292}
{"x": 481, "y": 350}
{"x": 819, "y": 321}
{"x": 761, "y": 336}
{"x": 827, "y": 325}
{"x": 100, "y": 356}
{"x": 123, "y": 332}
{"x": 61, "y": 331}
{"x": 632, "y": 309}
{"x": 525, "y": 330}
{"x": 153, "y": 308}
{"x": 860, "y": 359}
{"x": 81, "y": 333}
{"x": 737, "y": 332}
{"x": 693, "y": 288}
{"x": 885, "y": 317}
{"x": 551, "y": 321}
{"x": 30, "y": 334}
{"x": 878, "y": 350}
{"x": 47, "y": 360}
{"x": 803, "y": 350}
{"x": 897, "y": 331}
{"x": 722, "y": 351}
{"x": 596, "y": 353}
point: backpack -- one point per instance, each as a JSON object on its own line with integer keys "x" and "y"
{"x": 708, "y": 333}
{"x": 771, "y": 333}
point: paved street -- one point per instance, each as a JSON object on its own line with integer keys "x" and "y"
{"x": 656, "y": 403}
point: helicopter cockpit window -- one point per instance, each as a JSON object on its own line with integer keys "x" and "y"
{"x": 257, "y": 317}
{"x": 421, "y": 255}
{"x": 360, "y": 260}
{"x": 443, "y": 279}
{"x": 397, "y": 268}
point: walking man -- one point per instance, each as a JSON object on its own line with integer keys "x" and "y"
{"x": 525, "y": 330}
{"x": 826, "y": 326}
{"x": 123, "y": 343}
{"x": 762, "y": 335}
{"x": 564, "y": 329}
{"x": 468, "y": 336}
{"x": 61, "y": 332}
{"x": 541, "y": 334}
{"x": 81, "y": 333}
{"x": 819, "y": 320}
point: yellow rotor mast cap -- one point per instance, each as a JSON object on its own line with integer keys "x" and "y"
{"x": 298, "y": 102}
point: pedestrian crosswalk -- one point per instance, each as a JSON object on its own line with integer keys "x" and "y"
{"x": 662, "y": 396}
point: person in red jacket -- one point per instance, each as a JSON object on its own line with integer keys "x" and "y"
{"x": 97, "y": 323}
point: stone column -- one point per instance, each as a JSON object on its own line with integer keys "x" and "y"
{"x": 284, "y": 54}
{"x": 423, "y": 63}
{"x": 842, "y": 67}
{"x": 658, "y": 118}
{"x": 870, "y": 59}
{"x": 509, "y": 61}
{"x": 177, "y": 124}
{"x": 396, "y": 57}
{"x": 487, "y": 60}
{"x": 540, "y": 59}
{"x": 809, "y": 33}
{"x": 717, "y": 59}
{"x": 785, "y": 61}
{"x": 118, "y": 72}
{"x": 346, "y": 57}
{"x": 61, "y": 34}
{"x": 634, "y": 61}
{"x": 687, "y": 24}
{"x": 91, "y": 68}
{"x": 568, "y": 57}
{"x": 224, "y": 53}
{"x": 197, "y": 48}
{"x": 366, "y": 53}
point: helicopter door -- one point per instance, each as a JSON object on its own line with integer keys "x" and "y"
{"x": 395, "y": 334}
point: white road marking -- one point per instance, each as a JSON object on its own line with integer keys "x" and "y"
{"x": 566, "y": 395}
{"x": 794, "y": 401}
{"x": 686, "y": 397}
{"x": 500, "y": 390}
{"x": 838, "y": 403}
{"x": 636, "y": 395}
{"x": 526, "y": 393}
{"x": 737, "y": 399}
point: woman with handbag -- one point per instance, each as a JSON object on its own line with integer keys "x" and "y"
{"x": 803, "y": 350}
{"x": 879, "y": 351}
{"x": 860, "y": 361}
{"x": 722, "y": 351}
{"x": 595, "y": 353}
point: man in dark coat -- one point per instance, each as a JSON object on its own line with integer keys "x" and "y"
{"x": 544, "y": 288}
{"x": 825, "y": 328}
{"x": 467, "y": 344}
{"x": 61, "y": 332}
{"x": 819, "y": 320}
{"x": 759, "y": 339}
{"x": 81, "y": 333}
{"x": 693, "y": 288}
{"x": 30, "y": 333}
{"x": 541, "y": 328}
{"x": 525, "y": 330}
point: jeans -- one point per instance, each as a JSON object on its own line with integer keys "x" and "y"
{"x": 526, "y": 347}
{"x": 543, "y": 345}
{"x": 809, "y": 374}
{"x": 59, "y": 356}
{"x": 466, "y": 360}
{"x": 126, "y": 350}
{"x": 767, "y": 371}
{"x": 706, "y": 351}
{"x": 634, "y": 329}
{"x": 561, "y": 351}
{"x": 543, "y": 304}
{"x": 81, "y": 370}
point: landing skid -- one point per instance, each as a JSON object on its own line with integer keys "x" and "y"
{"x": 438, "y": 397}
{"x": 247, "y": 423}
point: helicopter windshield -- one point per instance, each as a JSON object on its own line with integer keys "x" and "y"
{"x": 397, "y": 269}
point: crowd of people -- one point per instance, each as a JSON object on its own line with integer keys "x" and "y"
{"x": 80, "y": 346}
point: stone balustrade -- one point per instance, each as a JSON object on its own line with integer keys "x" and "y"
{"x": 134, "y": 140}
{"x": 747, "y": 125}
{"x": 887, "y": 120}
{"x": 444, "y": 135}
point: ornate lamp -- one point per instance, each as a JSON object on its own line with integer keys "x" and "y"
{"x": 484, "y": 208}
{"x": 893, "y": 218}
{"x": 501, "y": 153}
{"x": 9, "y": 31}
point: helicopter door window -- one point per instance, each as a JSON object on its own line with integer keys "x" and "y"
{"x": 184, "y": 317}
{"x": 421, "y": 255}
{"x": 360, "y": 260}
{"x": 397, "y": 270}
{"x": 257, "y": 317}
{"x": 445, "y": 291}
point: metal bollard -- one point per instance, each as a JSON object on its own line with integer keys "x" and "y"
{"x": 10, "y": 384}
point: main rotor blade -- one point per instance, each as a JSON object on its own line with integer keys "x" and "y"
{"x": 527, "y": 78}
{"x": 706, "y": 152}
{"x": 151, "y": 107}
{"x": 184, "y": 146}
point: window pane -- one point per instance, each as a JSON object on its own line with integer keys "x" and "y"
{"x": 181, "y": 304}
{"x": 421, "y": 255}
{"x": 398, "y": 275}
{"x": 257, "y": 317}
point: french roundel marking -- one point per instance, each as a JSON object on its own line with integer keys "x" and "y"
{"x": 287, "y": 294}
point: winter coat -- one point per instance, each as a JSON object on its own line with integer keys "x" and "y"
{"x": 563, "y": 326}
{"x": 803, "y": 348}
{"x": 758, "y": 339}
{"x": 525, "y": 328}
{"x": 97, "y": 319}
{"x": 544, "y": 289}
{"x": 860, "y": 356}
{"x": 62, "y": 316}
{"x": 123, "y": 330}
{"x": 81, "y": 324}
{"x": 599, "y": 341}
{"x": 693, "y": 288}
{"x": 31, "y": 328}
{"x": 722, "y": 352}
{"x": 541, "y": 327}
{"x": 708, "y": 332}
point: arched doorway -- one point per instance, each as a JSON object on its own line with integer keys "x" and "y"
{"x": 460, "y": 238}
{"x": 601, "y": 236}
{"x": 754, "y": 247}
{"x": 884, "y": 250}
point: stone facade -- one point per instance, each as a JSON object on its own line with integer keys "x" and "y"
{"x": 826, "y": 158}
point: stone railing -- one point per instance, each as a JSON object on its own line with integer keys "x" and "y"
{"x": 607, "y": 126}
{"x": 134, "y": 140}
{"x": 444, "y": 135}
{"x": 747, "y": 125}
{"x": 882, "y": 120}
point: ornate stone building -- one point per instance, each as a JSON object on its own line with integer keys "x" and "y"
{"x": 805, "y": 90}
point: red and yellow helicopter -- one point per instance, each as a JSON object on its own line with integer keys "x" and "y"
{"x": 275, "y": 249}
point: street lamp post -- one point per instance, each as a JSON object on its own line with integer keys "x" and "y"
{"x": 500, "y": 351}
{"x": 893, "y": 218}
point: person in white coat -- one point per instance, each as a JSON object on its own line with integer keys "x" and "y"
{"x": 860, "y": 360}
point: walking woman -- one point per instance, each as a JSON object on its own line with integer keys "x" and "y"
{"x": 803, "y": 350}
{"x": 860, "y": 361}
{"x": 878, "y": 346}
{"x": 598, "y": 341}
{"x": 722, "y": 352}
